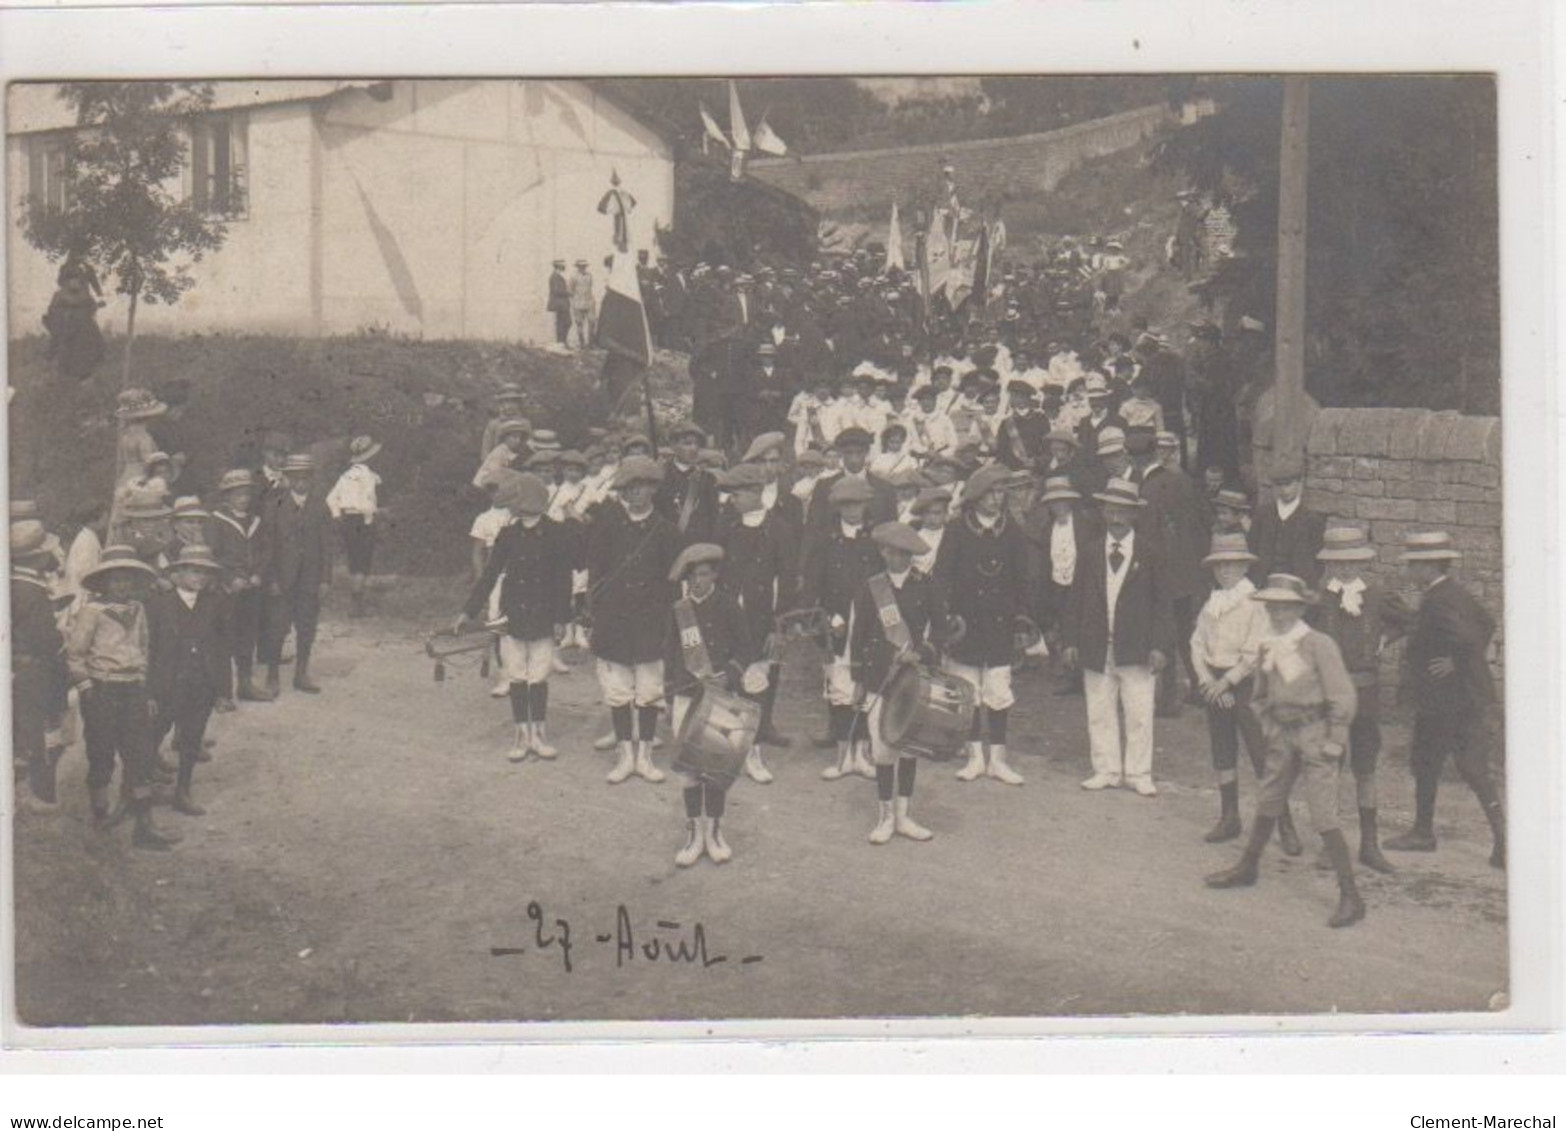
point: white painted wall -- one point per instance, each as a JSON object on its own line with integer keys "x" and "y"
{"x": 439, "y": 212}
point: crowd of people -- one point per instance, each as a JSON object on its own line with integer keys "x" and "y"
{"x": 958, "y": 503}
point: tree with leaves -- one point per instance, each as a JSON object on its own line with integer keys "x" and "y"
{"x": 123, "y": 214}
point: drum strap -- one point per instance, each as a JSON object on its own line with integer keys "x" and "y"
{"x": 885, "y": 598}
{"x": 698, "y": 661}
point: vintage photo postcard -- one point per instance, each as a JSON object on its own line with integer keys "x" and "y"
{"x": 725, "y": 548}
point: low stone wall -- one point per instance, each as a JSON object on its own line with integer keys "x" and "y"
{"x": 1398, "y": 470}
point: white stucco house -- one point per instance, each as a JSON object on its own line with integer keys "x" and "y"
{"x": 419, "y": 206}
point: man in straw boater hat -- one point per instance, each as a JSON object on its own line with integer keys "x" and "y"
{"x": 761, "y": 570}
{"x": 531, "y": 562}
{"x": 897, "y": 619}
{"x": 1353, "y": 611}
{"x": 1062, "y": 537}
{"x": 353, "y": 501}
{"x": 836, "y": 562}
{"x": 707, "y": 643}
{"x": 510, "y": 451}
{"x": 630, "y": 549}
{"x": 106, "y": 652}
{"x": 506, "y": 405}
{"x": 1446, "y": 653}
{"x": 1118, "y": 630}
{"x": 1305, "y": 701}
{"x": 235, "y": 544}
{"x": 38, "y": 676}
{"x": 296, "y": 570}
{"x": 188, "y": 667}
{"x": 981, "y": 577}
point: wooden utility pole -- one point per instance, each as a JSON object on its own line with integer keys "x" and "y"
{"x": 1292, "y": 409}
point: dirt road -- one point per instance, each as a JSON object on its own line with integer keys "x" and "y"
{"x": 366, "y": 850}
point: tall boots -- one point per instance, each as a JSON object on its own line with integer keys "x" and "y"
{"x": 1287, "y": 836}
{"x": 1228, "y": 826}
{"x": 1243, "y": 874}
{"x": 183, "y": 801}
{"x": 41, "y": 779}
{"x": 302, "y": 680}
{"x": 1351, "y": 908}
{"x": 247, "y": 691}
{"x": 718, "y": 850}
{"x": 520, "y": 744}
{"x": 1420, "y": 838}
{"x": 147, "y": 835}
{"x": 1369, "y": 847}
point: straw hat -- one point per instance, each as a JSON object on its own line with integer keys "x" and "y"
{"x": 694, "y": 555}
{"x": 1345, "y": 544}
{"x": 29, "y": 537}
{"x": 688, "y": 428}
{"x": 1059, "y": 489}
{"x": 23, "y": 508}
{"x": 1111, "y": 442}
{"x": 235, "y": 479}
{"x": 1433, "y": 546}
{"x": 545, "y": 440}
{"x": 1284, "y": 588}
{"x": 1121, "y": 492}
{"x": 299, "y": 462}
{"x": 516, "y": 424}
{"x": 196, "y": 556}
{"x": 116, "y": 558}
{"x": 1233, "y": 500}
{"x": 139, "y": 404}
{"x": 361, "y": 449}
{"x": 1229, "y": 548}
{"x": 188, "y": 506}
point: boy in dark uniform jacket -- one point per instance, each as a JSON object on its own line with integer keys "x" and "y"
{"x": 707, "y": 642}
{"x": 531, "y": 559}
{"x": 234, "y": 530}
{"x": 760, "y": 554}
{"x": 982, "y": 576}
{"x": 1452, "y": 692}
{"x": 1286, "y": 537}
{"x": 629, "y": 550}
{"x": 896, "y": 615}
{"x": 1352, "y": 610}
{"x": 1022, "y": 441}
{"x": 188, "y": 668}
{"x": 853, "y": 445}
{"x": 837, "y": 561}
{"x": 688, "y": 494}
{"x": 37, "y": 657}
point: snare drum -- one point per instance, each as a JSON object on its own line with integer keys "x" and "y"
{"x": 716, "y": 735}
{"x": 927, "y": 713}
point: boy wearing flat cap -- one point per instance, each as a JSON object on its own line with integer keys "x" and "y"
{"x": 688, "y": 494}
{"x": 707, "y": 642}
{"x": 896, "y": 618}
{"x": 531, "y": 562}
{"x": 630, "y": 548}
{"x": 853, "y": 444}
{"x": 1305, "y": 701}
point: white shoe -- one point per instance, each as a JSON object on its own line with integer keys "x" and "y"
{"x": 906, "y": 825}
{"x": 607, "y": 742}
{"x": 1102, "y": 781}
{"x": 756, "y": 768}
{"x": 975, "y": 767}
{"x": 561, "y": 667}
{"x": 861, "y": 764}
{"x": 694, "y": 843}
{"x": 1145, "y": 787}
{"x": 657, "y": 742}
{"x": 999, "y": 770}
{"x": 718, "y": 850}
{"x": 886, "y": 826}
{"x": 624, "y": 767}
{"x": 840, "y": 767}
{"x": 541, "y": 745}
{"x": 520, "y": 745}
{"x": 501, "y": 690}
{"x": 644, "y": 763}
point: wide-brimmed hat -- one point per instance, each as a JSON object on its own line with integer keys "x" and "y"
{"x": 116, "y": 558}
{"x": 852, "y": 436}
{"x": 1345, "y": 544}
{"x": 694, "y": 555}
{"x": 196, "y": 556}
{"x": 362, "y": 448}
{"x": 1121, "y": 492}
{"x": 764, "y": 443}
{"x": 990, "y": 477}
{"x": 1059, "y": 489}
{"x": 299, "y": 461}
{"x": 1168, "y": 440}
{"x": 850, "y": 490}
{"x": 188, "y": 506}
{"x": 1111, "y": 442}
{"x": 712, "y": 459}
{"x": 517, "y": 424}
{"x": 138, "y": 404}
{"x": 145, "y": 505}
{"x": 1232, "y": 499}
{"x": 638, "y": 469}
{"x": 1285, "y": 588}
{"x": 157, "y": 457}
{"x": 1431, "y": 546}
{"x": 899, "y": 536}
{"x": 23, "y": 508}
{"x": 1229, "y": 548}
{"x": 234, "y": 479}
{"x": 545, "y": 440}
{"x": 29, "y": 537}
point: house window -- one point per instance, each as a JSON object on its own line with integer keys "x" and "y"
{"x": 47, "y": 172}
{"x": 220, "y": 166}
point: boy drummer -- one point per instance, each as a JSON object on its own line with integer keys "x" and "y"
{"x": 894, "y": 617}
{"x": 708, "y": 641}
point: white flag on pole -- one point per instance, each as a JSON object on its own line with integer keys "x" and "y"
{"x": 894, "y": 243}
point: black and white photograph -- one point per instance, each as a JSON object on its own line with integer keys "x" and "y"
{"x": 727, "y": 548}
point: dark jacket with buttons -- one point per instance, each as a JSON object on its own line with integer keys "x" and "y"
{"x": 187, "y": 647}
{"x": 1143, "y": 615}
{"x": 533, "y": 567}
{"x": 1451, "y": 624}
{"x": 730, "y": 646}
{"x": 628, "y": 587}
{"x": 918, "y": 604}
{"x": 759, "y": 569}
{"x": 835, "y": 567}
{"x": 982, "y": 576}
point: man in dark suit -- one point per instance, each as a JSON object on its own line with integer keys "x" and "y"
{"x": 688, "y": 494}
{"x": 296, "y": 569}
{"x": 1118, "y": 629}
{"x": 188, "y": 667}
{"x": 559, "y": 303}
{"x": 1284, "y": 535}
{"x": 1452, "y": 692}
{"x": 1061, "y": 536}
{"x": 1174, "y": 502}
